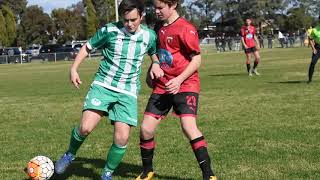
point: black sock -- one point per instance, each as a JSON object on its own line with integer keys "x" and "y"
{"x": 255, "y": 64}
{"x": 147, "y": 151}
{"x": 311, "y": 70}
{"x": 201, "y": 153}
{"x": 248, "y": 68}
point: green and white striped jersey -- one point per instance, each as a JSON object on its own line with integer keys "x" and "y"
{"x": 123, "y": 54}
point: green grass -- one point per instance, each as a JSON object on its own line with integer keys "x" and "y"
{"x": 263, "y": 127}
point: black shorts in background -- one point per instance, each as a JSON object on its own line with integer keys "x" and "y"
{"x": 184, "y": 104}
{"x": 250, "y": 50}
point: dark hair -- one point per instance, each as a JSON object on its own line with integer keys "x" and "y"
{"x": 171, "y": 2}
{"x": 129, "y": 5}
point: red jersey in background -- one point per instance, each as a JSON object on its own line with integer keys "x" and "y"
{"x": 248, "y": 33}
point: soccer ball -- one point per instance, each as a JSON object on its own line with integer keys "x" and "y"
{"x": 40, "y": 168}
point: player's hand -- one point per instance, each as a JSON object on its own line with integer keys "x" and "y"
{"x": 156, "y": 71}
{"x": 75, "y": 79}
{"x": 149, "y": 81}
{"x": 315, "y": 51}
{"x": 173, "y": 85}
{"x": 246, "y": 47}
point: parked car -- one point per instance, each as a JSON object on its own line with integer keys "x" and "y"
{"x": 33, "y": 50}
{"x": 15, "y": 55}
{"x": 55, "y": 52}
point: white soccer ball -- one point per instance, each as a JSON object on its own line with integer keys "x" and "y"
{"x": 40, "y": 168}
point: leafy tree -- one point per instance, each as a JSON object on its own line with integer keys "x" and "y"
{"x": 18, "y": 7}
{"x": 10, "y": 24}
{"x": 297, "y": 18}
{"x": 36, "y": 27}
{"x": 79, "y": 20}
{"x": 3, "y": 31}
{"x": 105, "y": 11}
{"x": 92, "y": 22}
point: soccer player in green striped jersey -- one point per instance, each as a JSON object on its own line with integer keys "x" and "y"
{"x": 116, "y": 84}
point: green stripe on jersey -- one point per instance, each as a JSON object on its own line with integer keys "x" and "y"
{"x": 123, "y": 55}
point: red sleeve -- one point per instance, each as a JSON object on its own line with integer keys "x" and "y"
{"x": 191, "y": 40}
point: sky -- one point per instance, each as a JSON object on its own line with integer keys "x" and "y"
{"x": 49, "y": 5}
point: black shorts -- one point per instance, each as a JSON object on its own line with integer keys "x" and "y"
{"x": 184, "y": 104}
{"x": 250, "y": 50}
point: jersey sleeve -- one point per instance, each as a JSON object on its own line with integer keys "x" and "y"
{"x": 191, "y": 40}
{"x": 312, "y": 35}
{"x": 152, "y": 46}
{"x": 98, "y": 39}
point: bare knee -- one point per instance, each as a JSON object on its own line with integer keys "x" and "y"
{"x": 190, "y": 130}
{"x": 146, "y": 132}
{"x": 85, "y": 130}
{"x": 121, "y": 138}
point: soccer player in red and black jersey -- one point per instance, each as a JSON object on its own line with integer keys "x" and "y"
{"x": 251, "y": 46}
{"x": 179, "y": 56}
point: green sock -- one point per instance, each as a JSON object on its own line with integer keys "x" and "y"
{"x": 115, "y": 155}
{"x": 75, "y": 141}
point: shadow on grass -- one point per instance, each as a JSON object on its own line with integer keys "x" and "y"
{"x": 289, "y": 82}
{"x": 125, "y": 170}
{"x": 225, "y": 75}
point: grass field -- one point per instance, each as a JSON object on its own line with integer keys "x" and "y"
{"x": 263, "y": 127}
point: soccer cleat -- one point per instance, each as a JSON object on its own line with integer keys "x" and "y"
{"x": 213, "y": 178}
{"x": 148, "y": 176}
{"x": 256, "y": 72}
{"x": 63, "y": 163}
{"x": 250, "y": 73}
{"x": 106, "y": 176}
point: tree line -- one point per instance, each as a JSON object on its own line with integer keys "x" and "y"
{"x": 22, "y": 25}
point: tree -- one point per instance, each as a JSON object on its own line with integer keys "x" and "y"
{"x": 36, "y": 27}
{"x": 18, "y": 7}
{"x": 10, "y": 24}
{"x": 105, "y": 11}
{"x": 92, "y": 22}
{"x": 297, "y": 18}
{"x": 3, "y": 31}
{"x": 79, "y": 20}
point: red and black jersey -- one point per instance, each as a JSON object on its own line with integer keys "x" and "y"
{"x": 248, "y": 33}
{"x": 177, "y": 42}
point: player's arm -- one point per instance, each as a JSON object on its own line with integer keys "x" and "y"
{"x": 97, "y": 40}
{"x": 173, "y": 85}
{"x": 244, "y": 43}
{"x": 257, "y": 42}
{"x": 74, "y": 76}
{"x": 312, "y": 44}
{"x": 155, "y": 69}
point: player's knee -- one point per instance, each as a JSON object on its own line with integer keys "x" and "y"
{"x": 84, "y": 130}
{"x": 146, "y": 132}
{"x": 191, "y": 131}
{"x": 121, "y": 139}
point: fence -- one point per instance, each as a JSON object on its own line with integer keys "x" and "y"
{"x": 44, "y": 57}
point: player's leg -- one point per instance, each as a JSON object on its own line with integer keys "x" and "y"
{"x": 248, "y": 62}
{"x": 185, "y": 105}
{"x": 147, "y": 145}
{"x": 256, "y": 61}
{"x": 123, "y": 115}
{"x": 89, "y": 120}
{"x": 117, "y": 149}
{"x": 198, "y": 144}
{"x": 157, "y": 108}
{"x": 314, "y": 60}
